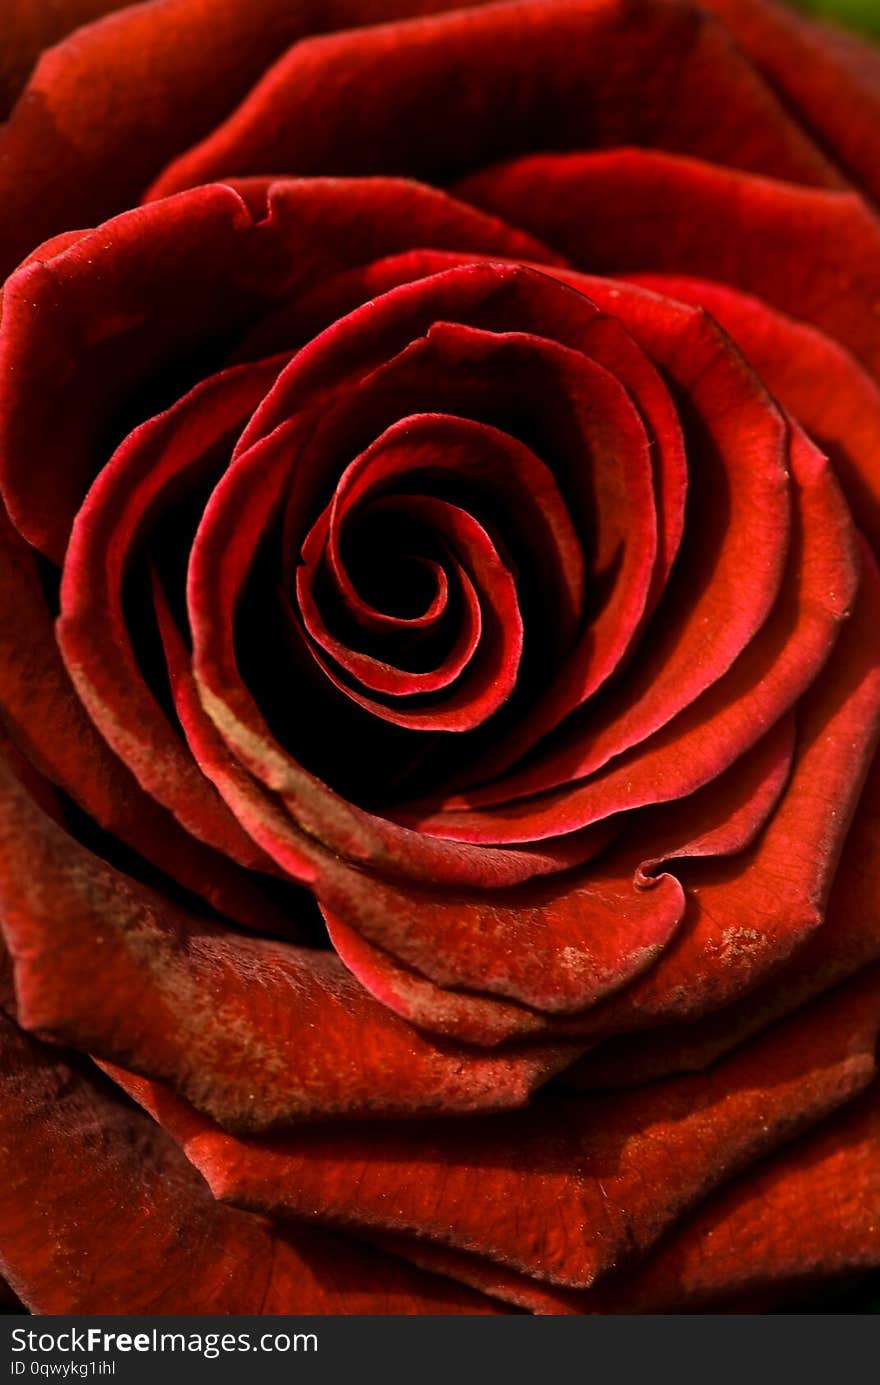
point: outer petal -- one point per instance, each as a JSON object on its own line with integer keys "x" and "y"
{"x": 27, "y": 29}
{"x": 101, "y": 329}
{"x": 182, "y": 446}
{"x": 774, "y": 239}
{"x": 751, "y": 1238}
{"x": 158, "y": 77}
{"x": 256, "y": 1033}
{"x": 102, "y": 1214}
{"x": 540, "y": 75}
{"x": 755, "y": 912}
{"x": 723, "y": 819}
{"x": 806, "y": 1216}
{"x": 571, "y": 1190}
{"x": 49, "y": 724}
{"x": 847, "y": 940}
{"x": 815, "y": 379}
{"x": 811, "y": 64}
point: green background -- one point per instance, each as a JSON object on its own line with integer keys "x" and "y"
{"x": 859, "y": 14}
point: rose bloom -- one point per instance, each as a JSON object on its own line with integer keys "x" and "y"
{"x": 439, "y": 674}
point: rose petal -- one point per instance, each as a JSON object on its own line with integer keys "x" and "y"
{"x": 490, "y": 676}
{"x": 535, "y": 76}
{"x": 558, "y": 945}
{"x": 777, "y": 666}
{"x": 429, "y": 453}
{"x": 241, "y": 511}
{"x": 566, "y": 1192}
{"x": 776, "y": 240}
{"x": 755, "y": 1236}
{"x": 175, "y": 450}
{"x": 102, "y": 1214}
{"x": 810, "y": 64}
{"x": 782, "y": 882}
{"x": 66, "y": 161}
{"x": 747, "y": 918}
{"x": 264, "y": 815}
{"x": 847, "y": 940}
{"x": 723, "y": 819}
{"x": 115, "y": 322}
{"x": 28, "y": 29}
{"x": 750, "y": 1238}
{"x": 47, "y": 721}
{"x": 556, "y": 398}
{"x": 369, "y": 669}
{"x": 815, "y": 379}
{"x": 602, "y": 339}
{"x": 255, "y": 1032}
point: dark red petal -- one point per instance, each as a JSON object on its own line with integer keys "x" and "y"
{"x": 65, "y": 161}
{"x": 612, "y": 955}
{"x": 781, "y": 884}
{"x": 778, "y": 241}
{"x": 807, "y": 1215}
{"x": 462, "y": 1015}
{"x": 484, "y": 946}
{"x": 242, "y": 507}
{"x": 49, "y": 723}
{"x": 38, "y": 787}
{"x": 723, "y": 819}
{"x": 102, "y": 1214}
{"x": 161, "y": 459}
{"x": 368, "y": 669}
{"x": 738, "y": 479}
{"x": 263, "y": 814}
{"x": 690, "y": 349}
{"x": 570, "y": 1189}
{"x": 488, "y": 678}
{"x": 507, "y": 78}
{"x": 599, "y": 337}
{"x": 751, "y": 1237}
{"x": 560, "y": 945}
{"x": 89, "y": 324}
{"x": 27, "y": 29}
{"x": 811, "y": 64}
{"x": 747, "y": 917}
{"x": 777, "y": 666}
{"x": 424, "y": 450}
{"x": 814, "y": 378}
{"x": 602, "y": 339}
{"x": 589, "y": 431}
{"x": 256, "y": 1033}
{"x": 847, "y": 939}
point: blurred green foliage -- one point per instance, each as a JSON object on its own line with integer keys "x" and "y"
{"x": 858, "y": 14}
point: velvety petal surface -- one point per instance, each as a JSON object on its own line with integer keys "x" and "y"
{"x": 772, "y": 238}
{"x": 256, "y": 1032}
{"x": 572, "y": 1190}
{"x": 749, "y": 1248}
{"x": 102, "y": 1214}
{"x": 69, "y": 162}
{"x": 557, "y": 75}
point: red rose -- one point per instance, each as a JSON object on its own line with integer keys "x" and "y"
{"x": 438, "y": 660}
